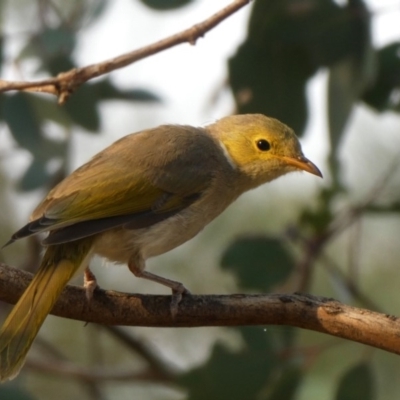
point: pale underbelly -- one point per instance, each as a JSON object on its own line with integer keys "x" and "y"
{"x": 119, "y": 245}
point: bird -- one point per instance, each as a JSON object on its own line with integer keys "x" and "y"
{"x": 144, "y": 195}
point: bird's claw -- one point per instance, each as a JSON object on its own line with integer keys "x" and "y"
{"x": 177, "y": 294}
{"x": 89, "y": 284}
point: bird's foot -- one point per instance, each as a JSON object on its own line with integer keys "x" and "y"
{"x": 89, "y": 283}
{"x": 177, "y": 293}
{"x": 178, "y": 290}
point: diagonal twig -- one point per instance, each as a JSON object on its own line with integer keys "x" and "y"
{"x": 65, "y": 83}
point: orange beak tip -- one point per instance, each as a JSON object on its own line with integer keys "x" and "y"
{"x": 303, "y": 164}
{"x": 313, "y": 169}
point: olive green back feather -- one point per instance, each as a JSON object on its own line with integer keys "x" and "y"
{"x": 122, "y": 181}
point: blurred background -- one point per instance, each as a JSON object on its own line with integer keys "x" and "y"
{"x": 329, "y": 69}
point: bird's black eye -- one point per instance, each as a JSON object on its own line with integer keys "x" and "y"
{"x": 263, "y": 145}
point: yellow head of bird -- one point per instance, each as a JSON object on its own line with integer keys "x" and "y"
{"x": 261, "y": 148}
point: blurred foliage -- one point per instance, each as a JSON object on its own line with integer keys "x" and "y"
{"x": 162, "y": 5}
{"x": 276, "y": 38}
{"x": 258, "y": 262}
{"x": 52, "y": 48}
{"x": 287, "y": 43}
{"x": 382, "y": 93}
{"x": 11, "y": 391}
{"x": 357, "y": 383}
{"x": 255, "y": 372}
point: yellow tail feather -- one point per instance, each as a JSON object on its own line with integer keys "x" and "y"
{"x": 59, "y": 264}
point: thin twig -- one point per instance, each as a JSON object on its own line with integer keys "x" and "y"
{"x": 67, "y": 82}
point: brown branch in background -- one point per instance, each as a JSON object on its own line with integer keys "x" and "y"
{"x": 315, "y": 245}
{"x": 67, "y": 82}
{"x": 54, "y": 362}
{"x": 52, "y": 357}
{"x": 302, "y": 311}
{"x": 349, "y": 283}
{"x": 94, "y": 374}
{"x": 162, "y": 369}
{"x": 311, "y": 253}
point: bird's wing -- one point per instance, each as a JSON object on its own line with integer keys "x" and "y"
{"x": 121, "y": 185}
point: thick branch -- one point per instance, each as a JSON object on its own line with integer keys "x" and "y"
{"x": 67, "y": 82}
{"x": 303, "y": 311}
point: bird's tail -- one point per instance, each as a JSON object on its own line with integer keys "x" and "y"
{"x": 22, "y": 325}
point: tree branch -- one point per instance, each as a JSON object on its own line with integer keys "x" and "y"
{"x": 67, "y": 82}
{"x": 96, "y": 374}
{"x": 299, "y": 310}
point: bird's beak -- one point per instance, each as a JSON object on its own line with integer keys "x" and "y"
{"x": 303, "y": 164}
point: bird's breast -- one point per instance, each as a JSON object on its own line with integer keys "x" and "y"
{"x": 119, "y": 244}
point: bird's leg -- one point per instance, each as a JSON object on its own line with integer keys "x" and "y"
{"x": 89, "y": 283}
{"x": 177, "y": 288}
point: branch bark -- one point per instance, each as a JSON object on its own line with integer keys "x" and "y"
{"x": 65, "y": 83}
{"x": 300, "y": 310}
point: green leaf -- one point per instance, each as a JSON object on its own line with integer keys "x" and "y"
{"x": 287, "y": 336}
{"x": 93, "y": 11}
{"x": 383, "y": 209}
{"x": 53, "y": 47}
{"x": 265, "y": 339}
{"x": 334, "y": 32}
{"x": 349, "y": 77}
{"x": 35, "y": 176}
{"x": 270, "y": 70}
{"x": 286, "y": 44}
{"x": 256, "y": 372}
{"x": 265, "y": 80}
{"x": 164, "y": 5}
{"x": 320, "y": 28}
{"x": 23, "y": 114}
{"x": 259, "y": 262}
{"x": 2, "y": 102}
{"x": 228, "y": 375}
{"x": 1, "y": 50}
{"x": 258, "y": 339}
{"x": 46, "y": 109}
{"x": 57, "y": 64}
{"x": 23, "y": 121}
{"x": 357, "y": 383}
{"x": 380, "y": 95}
{"x": 343, "y": 91}
{"x": 319, "y": 219}
{"x": 54, "y": 41}
{"x": 286, "y": 386}
{"x": 10, "y": 391}
{"x": 105, "y": 90}
{"x": 82, "y": 108}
